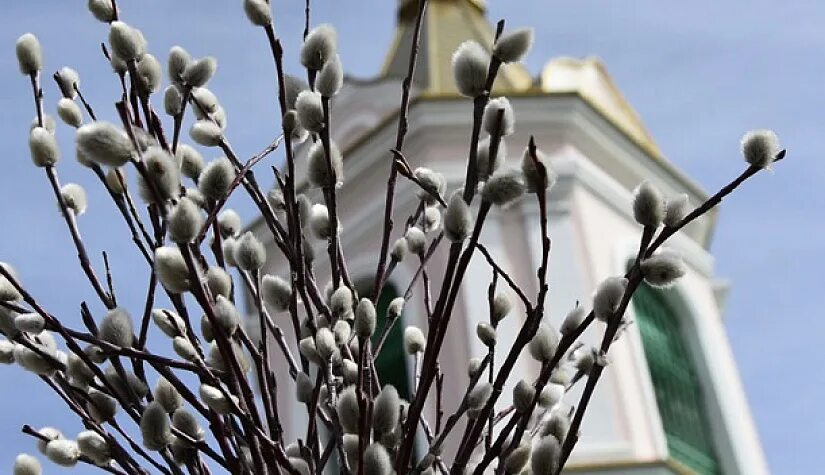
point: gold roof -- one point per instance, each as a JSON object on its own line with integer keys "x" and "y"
{"x": 589, "y": 79}
{"x": 447, "y": 24}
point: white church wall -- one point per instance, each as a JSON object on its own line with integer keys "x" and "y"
{"x": 593, "y": 234}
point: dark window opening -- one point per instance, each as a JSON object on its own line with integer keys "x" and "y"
{"x": 677, "y": 387}
{"x": 391, "y": 364}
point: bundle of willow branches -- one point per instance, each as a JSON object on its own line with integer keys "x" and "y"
{"x": 230, "y": 419}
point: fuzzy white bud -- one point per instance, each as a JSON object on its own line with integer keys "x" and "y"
{"x": 163, "y": 172}
{"x": 50, "y": 433}
{"x": 150, "y": 72}
{"x": 325, "y": 343}
{"x": 127, "y": 43}
{"x": 169, "y": 322}
{"x": 179, "y": 59}
{"x": 304, "y": 388}
{"x": 486, "y": 333}
{"x": 206, "y": 133}
{"x": 319, "y": 47}
{"x": 69, "y": 112}
{"x": 573, "y": 320}
{"x": 648, "y": 205}
{"x": 215, "y": 399}
{"x": 433, "y": 183}
{"x": 219, "y": 282}
{"x": 317, "y": 170}
{"x": 556, "y": 427}
{"x": 216, "y": 179}
{"x": 103, "y": 10}
{"x": 376, "y": 460}
{"x": 675, "y": 210}
{"x": 63, "y": 452}
{"x": 94, "y": 446}
{"x": 43, "y": 147}
{"x": 546, "y": 456}
{"x": 473, "y": 366}
{"x": 395, "y": 308}
{"x": 187, "y": 423}
{"x": 80, "y": 375}
{"x": 258, "y": 12}
{"x": 760, "y": 147}
{"x": 308, "y": 349}
{"x": 226, "y": 315}
{"x": 663, "y": 269}
{"x": 184, "y": 348}
{"x": 25, "y": 464}
{"x": 501, "y": 307}
{"x": 67, "y": 80}
{"x": 512, "y": 46}
{"x": 608, "y": 296}
{"x": 101, "y": 407}
{"x": 277, "y": 292}
{"x": 350, "y": 372}
{"x": 275, "y": 198}
{"x": 74, "y": 197}
{"x": 365, "y": 319}
{"x": 36, "y": 362}
{"x": 116, "y": 180}
{"x": 532, "y": 177}
{"x": 517, "y": 459}
{"x": 103, "y": 143}
{"x": 310, "y": 111}
{"x": 250, "y": 254}
{"x": 171, "y": 269}
{"x": 470, "y": 64}
{"x": 385, "y": 413}
{"x": 414, "y": 340}
{"x": 331, "y": 77}
{"x": 523, "y": 394}
{"x": 399, "y": 249}
{"x": 155, "y": 427}
{"x": 207, "y": 102}
{"x": 229, "y": 223}
{"x": 199, "y": 72}
{"x": 550, "y": 395}
{"x": 483, "y": 158}
{"x": 341, "y": 301}
{"x": 319, "y": 221}
{"x": 167, "y": 396}
{"x": 124, "y": 386}
{"x": 348, "y": 410}
{"x": 29, "y": 54}
{"x": 478, "y": 396}
{"x": 432, "y": 219}
{"x": 342, "y": 331}
{"x": 185, "y": 221}
{"x": 499, "y": 105}
{"x": 504, "y": 187}
{"x": 172, "y": 100}
{"x": 416, "y": 240}
{"x": 544, "y": 343}
{"x": 6, "y": 352}
{"x": 117, "y": 328}
{"x": 458, "y": 221}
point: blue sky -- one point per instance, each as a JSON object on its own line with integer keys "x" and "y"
{"x": 699, "y": 74}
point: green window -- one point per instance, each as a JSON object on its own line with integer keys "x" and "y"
{"x": 678, "y": 389}
{"x": 391, "y": 363}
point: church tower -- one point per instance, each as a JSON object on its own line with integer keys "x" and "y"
{"x": 671, "y": 401}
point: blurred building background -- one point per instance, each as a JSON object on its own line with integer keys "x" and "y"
{"x": 671, "y": 401}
